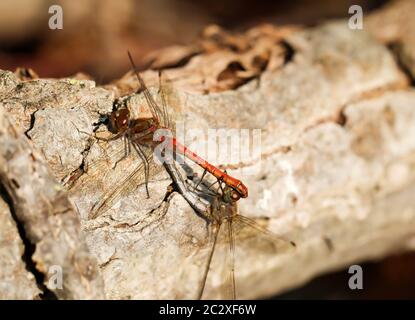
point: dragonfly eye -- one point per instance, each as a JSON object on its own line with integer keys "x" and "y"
{"x": 235, "y": 195}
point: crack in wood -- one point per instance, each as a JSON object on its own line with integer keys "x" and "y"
{"x": 29, "y": 247}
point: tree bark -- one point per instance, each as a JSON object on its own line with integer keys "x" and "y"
{"x": 335, "y": 171}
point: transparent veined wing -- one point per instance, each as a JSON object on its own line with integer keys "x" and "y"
{"x": 135, "y": 177}
{"x": 237, "y": 231}
{"x": 247, "y": 229}
{"x": 211, "y": 245}
{"x": 228, "y": 290}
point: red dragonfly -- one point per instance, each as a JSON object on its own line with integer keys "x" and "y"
{"x": 139, "y": 134}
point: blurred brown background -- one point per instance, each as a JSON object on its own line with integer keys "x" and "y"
{"x": 97, "y": 33}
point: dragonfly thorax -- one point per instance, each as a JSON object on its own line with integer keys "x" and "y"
{"x": 222, "y": 210}
{"x": 143, "y": 126}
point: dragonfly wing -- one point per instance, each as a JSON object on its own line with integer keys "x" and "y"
{"x": 124, "y": 187}
{"x": 247, "y": 228}
{"x": 167, "y": 122}
{"x": 170, "y": 101}
{"x": 154, "y": 108}
{"x": 228, "y": 291}
{"x": 97, "y": 168}
{"x": 213, "y": 237}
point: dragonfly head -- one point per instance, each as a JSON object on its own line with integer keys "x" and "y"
{"x": 235, "y": 196}
{"x": 230, "y": 194}
{"x": 119, "y": 120}
{"x": 235, "y": 193}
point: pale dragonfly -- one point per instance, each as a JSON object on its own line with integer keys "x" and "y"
{"x": 228, "y": 229}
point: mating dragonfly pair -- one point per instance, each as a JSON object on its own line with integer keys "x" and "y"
{"x": 219, "y": 206}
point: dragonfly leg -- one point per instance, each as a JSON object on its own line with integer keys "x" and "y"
{"x": 143, "y": 158}
{"x": 200, "y": 180}
{"x": 128, "y": 146}
{"x": 219, "y": 181}
{"x": 115, "y": 137}
{"x": 212, "y": 184}
{"x": 220, "y": 185}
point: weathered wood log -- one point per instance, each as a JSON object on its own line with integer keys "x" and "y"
{"x": 335, "y": 171}
{"x": 46, "y": 223}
